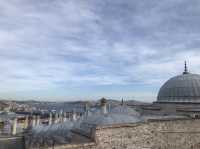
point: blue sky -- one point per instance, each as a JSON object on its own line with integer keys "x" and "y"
{"x": 86, "y": 49}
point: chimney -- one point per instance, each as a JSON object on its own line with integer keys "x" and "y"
{"x": 109, "y": 108}
{"x": 86, "y": 109}
{"x": 50, "y": 118}
{"x": 14, "y": 127}
{"x": 56, "y": 118}
{"x": 26, "y": 122}
{"x": 122, "y": 102}
{"x": 65, "y": 117}
{"x": 38, "y": 120}
{"x": 74, "y": 117}
{"x": 33, "y": 121}
{"x": 103, "y": 106}
{"x": 61, "y": 118}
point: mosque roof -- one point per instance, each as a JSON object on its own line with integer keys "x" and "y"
{"x": 55, "y": 133}
{"x": 181, "y": 88}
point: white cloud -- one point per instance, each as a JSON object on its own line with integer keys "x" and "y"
{"x": 48, "y": 45}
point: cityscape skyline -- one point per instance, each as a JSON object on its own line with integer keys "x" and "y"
{"x": 78, "y": 49}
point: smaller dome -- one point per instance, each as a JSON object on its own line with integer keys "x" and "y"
{"x": 125, "y": 110}
{"x": 55, "y": 132}
{"x": 98, "y": 119}
{"x": 117, "y": 115}
{"x": 110, "y": 119}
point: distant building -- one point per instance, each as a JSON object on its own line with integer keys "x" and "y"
{"x": 4, "y": 106}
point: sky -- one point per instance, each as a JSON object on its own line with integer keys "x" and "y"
{"x": 87, "y": 49}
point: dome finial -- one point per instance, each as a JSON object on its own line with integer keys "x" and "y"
{"x": 185, "y": 69}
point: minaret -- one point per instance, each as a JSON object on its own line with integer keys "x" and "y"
{"x": 185, "y": 69}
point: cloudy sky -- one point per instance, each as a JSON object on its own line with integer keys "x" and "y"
{"x": 75, "y": 49}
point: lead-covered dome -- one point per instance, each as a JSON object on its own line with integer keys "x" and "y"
{"x": 182, "y": 88}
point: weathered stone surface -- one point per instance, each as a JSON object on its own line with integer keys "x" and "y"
{"x": 170, "y": 134}
{"x": 174, "y": 134}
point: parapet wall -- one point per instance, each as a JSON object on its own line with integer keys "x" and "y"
{"x": 170, "y": 134}
{"x": 158, "y": 134}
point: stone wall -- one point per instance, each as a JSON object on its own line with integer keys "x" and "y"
{"x": 170, "y": 134}
{"x": 157, "y": 134}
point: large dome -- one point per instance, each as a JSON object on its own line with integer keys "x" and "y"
{"x": 182, "y": 88}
